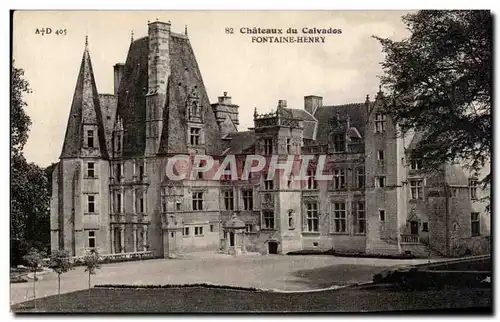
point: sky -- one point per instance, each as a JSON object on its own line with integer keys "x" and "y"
{"x": 343, "y": 69}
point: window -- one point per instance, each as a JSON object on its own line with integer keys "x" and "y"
{"x": 185, "y": 232}
{"x": 473, "y": 183}
{"x": 339, "y": 179}
{"x": 312, "y": 217}
{"x": 248, "y": 200}
{"x": 91, "y": 169}
{"x": 425, "y": 227}
{"x": 91, "y": 239}
{"x": 416, "y": 187}
{"x": 164, "y": 206}
{"x": 340, "y": 217}
{"x": 380, "y": 155}
{"x": 268, "y": 219}
{"x": 268, "y": 146}
{"x": 194, "y": 136}
{"x": 416, "y": 164}
{"x": 339, "y": 143}
{"x": 379, "y": 182}
{"x": 118, "y": 203}
{"x": 360, "y": 177}
{"x": 474, "y": 224}
{"x": 249, "y": 228}
{"x": 315, "y": 244}
{"x": 197, "y": 200}
{"x": 288, "y": 146}
{"x": 291, "y": 219}
{"x": 90, "y": 138}
{"x": 268, "y": 184}
{"x": 379, "y": 123}
{"x": 381, "y": 214}
{"x": 91, "y": 203}
{"x": 118, "y": 172}
{"x": 312, "y": 183}
{"x": 178, "y": 205}
{"x": 141, "y": 172}
{"x": 118, "y": 143}
{"x": 141, "y": 204}
{"x": 360, "y": 218}
{"x": 198, "y": 231}
{"x": 229, "y": 200}
{"x": 212, "y": 228}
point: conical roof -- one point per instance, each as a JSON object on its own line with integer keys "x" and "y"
{"x": 85, "y": 109}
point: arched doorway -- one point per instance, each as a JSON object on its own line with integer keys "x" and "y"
{"x": 272, "y": 247}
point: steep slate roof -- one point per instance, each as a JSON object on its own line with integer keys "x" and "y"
{"x": 132, "y": 98}
{"x": 455, "y": 175}
{"x": 310, "y": 122}
{"x": 85, "y": 109}
{"x": 185, "y": 75}
{"x": 417, "y": 137}
{"x": 298, "y": 113}
{"x": 357, "y": 116}
{"x": 240, "y": 142}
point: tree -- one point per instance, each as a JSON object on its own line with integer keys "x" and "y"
{"x": 439, "y": 84}
{"x": 20, "y": 121}
{"x": 30, "y": 208}
{"x": 91, "y": 260}
{"x": 60, "y": 262}
{"x": 34, "y": 260}
{"x": 30, "y": 198}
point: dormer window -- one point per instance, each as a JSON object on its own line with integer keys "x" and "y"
{"x": 379, "y": 123}
{"x": 90, "y": 138}
{"x": 118, "y": 143}
{"x": 268, "y": 146}
{"x": 339, "y": 143}
{"x": 194, "y": 136}
{"x": 194, "y": 109}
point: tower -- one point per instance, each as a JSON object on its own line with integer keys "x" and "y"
{"x": 79, "y": 212}
{"x": 384, "y": 175}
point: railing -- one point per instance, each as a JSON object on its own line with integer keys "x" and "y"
{"x": 117, "y": 257}
{"x": 410, "y": 239}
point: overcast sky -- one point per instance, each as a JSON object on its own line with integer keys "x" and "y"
{"x": 342, "y": 70}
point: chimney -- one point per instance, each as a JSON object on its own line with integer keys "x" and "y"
{"x": 118, "y": 68}
{"x": 226, "y": 100}
{"x": 312, "y": 102}
{"x": 159, "y": 56}
{"x": 281, "y": 103}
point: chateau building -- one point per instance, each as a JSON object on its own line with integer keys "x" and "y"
{"x": 111, "y": 192}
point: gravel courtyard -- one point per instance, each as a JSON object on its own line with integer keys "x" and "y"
{"x": 286, "y": 273}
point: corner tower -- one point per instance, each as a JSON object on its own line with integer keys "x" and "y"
{"x": 79, "y": 212}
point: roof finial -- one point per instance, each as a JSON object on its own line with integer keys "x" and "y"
{"x": 132, "y": 36}
{"x": 367, "y": 97}
{"x": 86, "y": 40}
{"x": 255, "y": 112}
{"x": 186, "y": 30}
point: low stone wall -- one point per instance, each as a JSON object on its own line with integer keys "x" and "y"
{"x": 480, "y": 245}
{"x": 115, "y": 258}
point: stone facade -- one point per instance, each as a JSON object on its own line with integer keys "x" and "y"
{"x": 110, "y": 188}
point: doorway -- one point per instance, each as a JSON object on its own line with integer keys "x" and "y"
{"x": 273, "y": 247}
{"x": 414, "y": 227}
{"x": 231, "y": 239}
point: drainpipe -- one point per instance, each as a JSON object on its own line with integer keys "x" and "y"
{"x": 447, "y": 210}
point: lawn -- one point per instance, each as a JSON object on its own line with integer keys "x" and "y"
{"x": 201, "y": 299}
